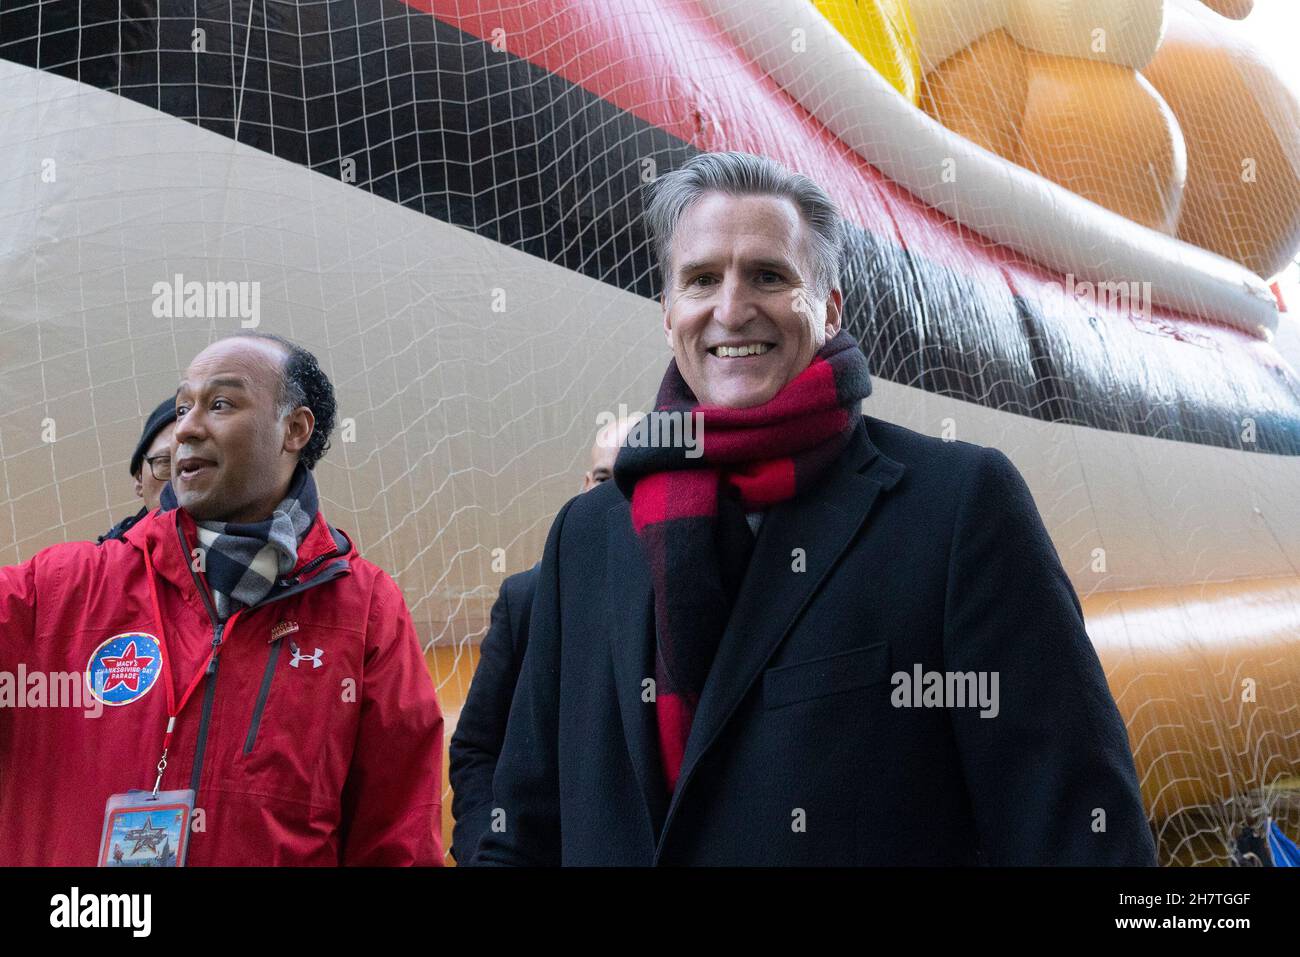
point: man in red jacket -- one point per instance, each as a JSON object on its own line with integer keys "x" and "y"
{"x": 230, "y": 683}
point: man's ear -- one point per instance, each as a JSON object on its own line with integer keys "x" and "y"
{"x": 834, "y": 313}
{"x": 298, "y": 429}
{"x": 139, "y": 485}
{"x": 668, "y": 322}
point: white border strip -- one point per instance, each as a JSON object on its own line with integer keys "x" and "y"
{"x": 1002, "y": 201}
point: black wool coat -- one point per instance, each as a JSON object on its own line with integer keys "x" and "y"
{"x": 911, "y": 555}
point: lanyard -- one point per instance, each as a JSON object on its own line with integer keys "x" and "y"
{"x": 174, "y": 708}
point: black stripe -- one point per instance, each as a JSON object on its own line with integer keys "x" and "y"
{"x": 273, "y": 656}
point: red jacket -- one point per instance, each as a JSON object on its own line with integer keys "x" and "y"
{"x": 315, "y": 740}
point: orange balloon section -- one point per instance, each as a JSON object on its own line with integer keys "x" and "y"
{"x": 1205, "y": 677}
{"x": 1242, "y": 127}
{"x": 1203, "y": 142}
{"x": 1098, "y": 129}
{"x": 1235, "y": 9}
{"x": 452, "y": 669}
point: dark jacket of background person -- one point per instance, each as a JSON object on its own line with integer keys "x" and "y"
{"x": 918, "y": 551}
{"x": 122, "y": 527}
{"x": 163, "y": 415}
{"x": 481, "y": 728}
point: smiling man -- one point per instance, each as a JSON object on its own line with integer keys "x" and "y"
{"x": 712, "y": 675}
{"x": 738, "y": 312}
{"x": 263, "y": 682}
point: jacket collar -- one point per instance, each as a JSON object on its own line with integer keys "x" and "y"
{"x": 157, "y": 533}
{"x": 770, "y": 600}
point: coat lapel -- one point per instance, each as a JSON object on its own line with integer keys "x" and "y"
{"x": 629, "y": 598}
{"x": 823, "y": 523}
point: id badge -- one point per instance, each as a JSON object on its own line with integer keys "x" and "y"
{"x": 141, "y": 830}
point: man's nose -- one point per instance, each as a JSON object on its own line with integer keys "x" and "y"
{"x": 735, "y": 305}
{"x": 188, "y": 426}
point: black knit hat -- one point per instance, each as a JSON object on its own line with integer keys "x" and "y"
{"x": 158, "y": 420}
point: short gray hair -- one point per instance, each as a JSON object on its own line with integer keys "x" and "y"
{"x": 744, "y": 174}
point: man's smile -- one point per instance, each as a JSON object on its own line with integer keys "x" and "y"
{"x": 741, "y": 350}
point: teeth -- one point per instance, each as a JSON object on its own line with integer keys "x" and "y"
{"x": 735, "y": 352}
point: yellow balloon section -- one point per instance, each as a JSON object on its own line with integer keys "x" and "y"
{"x": 882, "y": 31}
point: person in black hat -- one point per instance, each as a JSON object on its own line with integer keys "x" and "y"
{"x": 151, "y": 464}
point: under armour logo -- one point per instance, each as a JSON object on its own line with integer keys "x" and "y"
{"x": 299, "y": 656}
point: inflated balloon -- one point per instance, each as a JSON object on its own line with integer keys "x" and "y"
{"x": 444, "y": 200}
{"x": 1123, "y": 32}
{"x": 1098, "y": 129}
{"x": 1190, "y": 132}
{"x": 1242, "y": 126}
{"x": 882, "y": 31}
{"x": 1236, "y": 9}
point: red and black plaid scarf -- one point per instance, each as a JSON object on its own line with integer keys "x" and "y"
{"x": 759, "y": 456}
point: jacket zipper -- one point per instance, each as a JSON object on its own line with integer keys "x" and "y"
{"x": 311, "y": 566}
{"x": 209, "y": 692}
{"x": 297, "y": 586}
{"x": 210, "y": 689}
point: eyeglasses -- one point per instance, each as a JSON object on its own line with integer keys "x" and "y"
{"x": 160, "y": 466}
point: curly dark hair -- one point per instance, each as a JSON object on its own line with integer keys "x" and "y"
{"x": 303, "y": 382}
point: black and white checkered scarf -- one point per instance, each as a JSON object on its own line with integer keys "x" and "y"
{"x": 232, "y": 549}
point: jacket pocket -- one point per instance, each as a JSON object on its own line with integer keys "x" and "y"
{"x": 821, "y": 677}
{"x": 268, "y": 675}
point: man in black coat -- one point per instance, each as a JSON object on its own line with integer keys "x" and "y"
{"x": 806, "y": 636}
{"x": 481, "y": 727}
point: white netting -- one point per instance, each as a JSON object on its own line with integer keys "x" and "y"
{"x": 455, "y": 230}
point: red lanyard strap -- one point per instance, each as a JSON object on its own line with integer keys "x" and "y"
{"x": 175, "y": 708}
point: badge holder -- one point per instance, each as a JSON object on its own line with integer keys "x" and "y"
{"x": 146, "y": 829}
